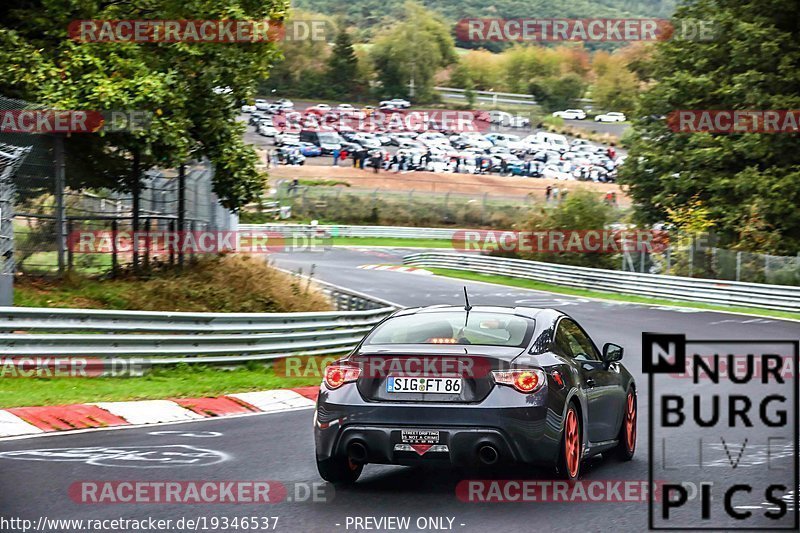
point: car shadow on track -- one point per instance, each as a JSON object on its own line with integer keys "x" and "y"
{"x": 418, "y": 480}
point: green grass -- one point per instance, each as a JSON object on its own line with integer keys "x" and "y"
{"x": 387, "y": 241}
{"x": 537, "y": 285}
{"x": 175, "y": 382}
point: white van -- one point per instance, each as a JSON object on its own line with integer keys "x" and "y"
{"x": 553, "y": 140}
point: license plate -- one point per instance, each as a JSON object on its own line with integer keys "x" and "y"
{"x": 427, "y": 385}
{"x": 419, "y": 436}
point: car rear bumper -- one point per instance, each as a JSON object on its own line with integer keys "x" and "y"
{"x": 518, "y": 428}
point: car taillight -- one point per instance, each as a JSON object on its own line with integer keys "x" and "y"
{"x": 526, "y": 381}
{"x": 338, "y": 375}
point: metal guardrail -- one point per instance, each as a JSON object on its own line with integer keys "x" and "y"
{"x": 169, "y": 338}
{"x": 488, "y": 96}
{"x": 355, "y": 231}
{"x": 731, "y": 293}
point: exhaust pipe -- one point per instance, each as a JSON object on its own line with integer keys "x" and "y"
{"x": 357, "y": 452}
{"x": 488, "y": 454}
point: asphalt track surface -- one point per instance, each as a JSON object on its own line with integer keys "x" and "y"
{"x": 280, "y": 447}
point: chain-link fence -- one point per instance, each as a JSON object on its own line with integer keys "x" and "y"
{"x": 46, "y": 214}
{"x": 718, "y": 263}
{"x": 104, "y": 212}
{"x": 11, "y": 158}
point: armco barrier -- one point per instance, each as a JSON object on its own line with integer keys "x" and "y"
{"x": 779, "y": 297}
{"x": 354, "y": 231}
{"x": 169, "y": 338}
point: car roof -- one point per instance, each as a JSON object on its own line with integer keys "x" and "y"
{"x": 544, "y": 314}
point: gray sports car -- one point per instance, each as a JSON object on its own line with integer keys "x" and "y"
{"x": 474, "y": 386}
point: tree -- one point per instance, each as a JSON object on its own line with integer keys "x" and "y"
{"x": 558, "y": 93}
{"x": 300, "y": 68}
{"x": 616, "y": 86}
{"x": 744, "y": 179}
{"x": 175, "y": 82}
{"x": 342, "y": 73}
{"x": 412, "y": 52}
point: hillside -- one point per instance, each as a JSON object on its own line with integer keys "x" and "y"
{"x": 367, "y": 13}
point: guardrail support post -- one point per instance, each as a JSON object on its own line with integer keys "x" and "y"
{"x": 114, "y": 260}
{"x": 181, "y": 209}
{"x": 738, "y": 266}
{"x": 70, "y": 257}
{"x": 60, "y": 184}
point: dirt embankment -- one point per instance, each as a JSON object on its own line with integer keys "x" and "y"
{"x": 441, "y": 182}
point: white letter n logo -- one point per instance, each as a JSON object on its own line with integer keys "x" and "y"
{"x": 663, "y": 353}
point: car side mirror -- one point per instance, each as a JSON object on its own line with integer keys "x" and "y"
{"x": 612, "y": 353}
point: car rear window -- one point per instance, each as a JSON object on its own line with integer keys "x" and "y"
{"x": 454, "y": 327}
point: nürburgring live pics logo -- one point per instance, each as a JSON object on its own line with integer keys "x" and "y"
{"x": 725, "y": 441}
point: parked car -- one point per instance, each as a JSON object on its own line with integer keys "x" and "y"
{"x": 553, "y": 141}
{"x": 310, "y": 150}
{"x": 319, "y": 109}
{"x": 613, "y": 116}
{"x": 345, "y": 109}
{"x": 285, "y": 103}
{"x": 287, "y": 138}
{"x": 520, "y": 121}
{"x": 249, "y": 108}
{"x": 571, "y": 114}
{"x": 396, "y": 102}
{"x": 261, "y": 104}
{"x": 473, "y": 139}
{"x": 327, "y": 141}
{"x": 256, "y": 117}
{"x": 557, "y": 172}
{"x": 290, "y": 155}
{"x": 266, "y": 130}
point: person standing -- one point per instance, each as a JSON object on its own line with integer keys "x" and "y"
{"x": 336, "y": 152}
{"x": 376, "y": 161}
{"x": 547, "y": 193}
{"x": 555, "y": 194}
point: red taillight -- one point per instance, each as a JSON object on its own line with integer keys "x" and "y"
{"x": 338, "y": 375}
{"x": 526, "y": 381}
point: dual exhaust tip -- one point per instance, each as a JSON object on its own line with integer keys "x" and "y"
{"x": 488, "y": 454}
{"x": 357, "y": 452}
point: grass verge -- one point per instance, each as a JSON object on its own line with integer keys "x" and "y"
{"x": 226, "y": 284}
{"x": 537, "y": 285}
{"x": 388, "y": 241}
{"x": 177, "y": 382}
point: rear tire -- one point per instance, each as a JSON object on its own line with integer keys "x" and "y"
{"x": 626, "y": 446}
{"x": 569, "y": 457}
{"x": 339, "y": 470}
